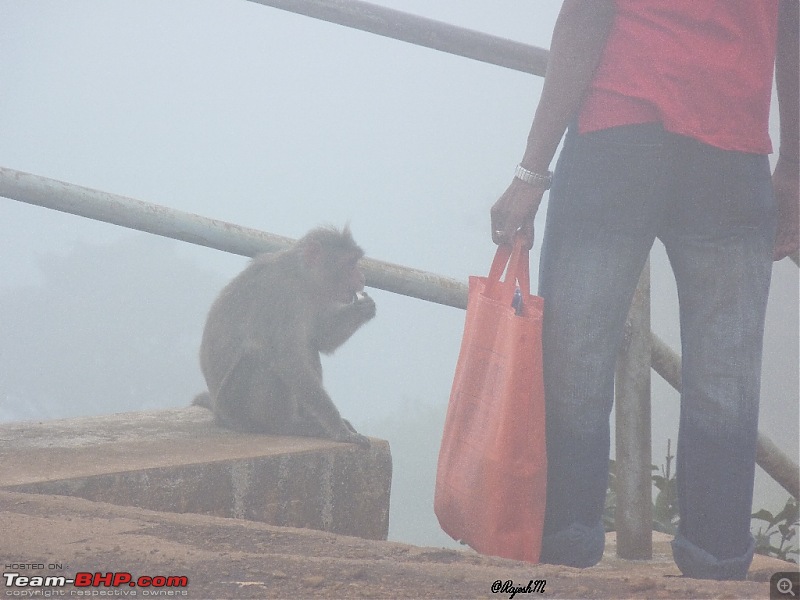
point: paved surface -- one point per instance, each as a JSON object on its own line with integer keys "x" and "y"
{"x": 230, "y": 558}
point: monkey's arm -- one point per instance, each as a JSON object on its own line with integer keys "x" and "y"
{"x": 337, "y": 325}
{"x": 298, "y": 372}
{"x": 316, "y": 421}
{"x": 318, "y": 415}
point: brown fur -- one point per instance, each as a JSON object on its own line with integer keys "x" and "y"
{"x": 260, "y": 353}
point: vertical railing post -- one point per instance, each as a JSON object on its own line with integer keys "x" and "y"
{"x": 633, "y": 517}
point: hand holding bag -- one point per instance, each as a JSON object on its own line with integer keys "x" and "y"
{"x": 492, "y": 469}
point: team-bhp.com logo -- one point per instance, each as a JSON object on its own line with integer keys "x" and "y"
{"x": 95, "y": 580}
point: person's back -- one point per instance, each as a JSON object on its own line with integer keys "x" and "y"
{"x": 702, "y": 69}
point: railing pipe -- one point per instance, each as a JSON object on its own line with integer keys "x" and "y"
{"x": 188, "y": 227}
{"x": 634, "y": 514}
{"x": 421, "y": 31}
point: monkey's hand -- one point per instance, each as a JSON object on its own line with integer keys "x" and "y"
{"x": 365, "y": 305}
{"x": 338, "y": 324}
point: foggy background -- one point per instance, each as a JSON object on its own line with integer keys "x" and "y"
{"x": 278, "y": 122}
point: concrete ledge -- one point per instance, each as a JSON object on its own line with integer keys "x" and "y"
{"x": 179, "y": 461}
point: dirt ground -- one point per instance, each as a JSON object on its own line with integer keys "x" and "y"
{"x": 49, "y": 536}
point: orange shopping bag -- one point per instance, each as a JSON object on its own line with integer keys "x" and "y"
{"x": 490, "y": 483}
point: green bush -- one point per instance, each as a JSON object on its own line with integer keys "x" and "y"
{"x": 775, "y": 538}
{"x": 776, "y": 535}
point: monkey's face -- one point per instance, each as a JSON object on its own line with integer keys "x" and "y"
{"x": 349, "y": 281}
{"x": 334, "y": 269}
{"x": 341, "y": 277}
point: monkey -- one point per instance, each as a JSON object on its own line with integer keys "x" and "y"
{"x": 260, "y": 350}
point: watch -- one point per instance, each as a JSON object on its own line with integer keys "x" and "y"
{"x": 534, "y": 178}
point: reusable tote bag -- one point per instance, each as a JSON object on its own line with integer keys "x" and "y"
{"x": 491, "y": 477}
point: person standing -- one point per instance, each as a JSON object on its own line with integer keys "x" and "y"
{"x": 666, "y": 108}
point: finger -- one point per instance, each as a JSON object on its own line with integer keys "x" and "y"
{"x": 493, "y": 226}
{"x": 500, "y": 217}
{"x": 498, "y": 233}
{"x": 504, "y": 238}
{"x": 503, "y": 231}
{"x": 497, "y": 224}
{"x": 495, "y": 235}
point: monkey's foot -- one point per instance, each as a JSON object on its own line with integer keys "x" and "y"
{"x": 351, "y": 437}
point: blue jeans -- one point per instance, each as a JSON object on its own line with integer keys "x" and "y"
{"x": 614, "y": 192}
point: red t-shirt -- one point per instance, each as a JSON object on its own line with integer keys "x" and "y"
{"x": 703, "y": 68}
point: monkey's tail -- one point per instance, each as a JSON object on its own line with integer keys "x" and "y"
{"x": 202, "y": 399}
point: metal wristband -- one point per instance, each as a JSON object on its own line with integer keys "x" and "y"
{"x": 534, "y": 178}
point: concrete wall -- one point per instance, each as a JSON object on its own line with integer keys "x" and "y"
{"x": 179, "y": 461}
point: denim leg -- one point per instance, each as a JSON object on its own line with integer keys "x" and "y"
{"x": 719, "y": 238}
{"x": 602, "y": 216}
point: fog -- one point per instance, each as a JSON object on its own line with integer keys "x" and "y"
{"x": 278, "y": 122}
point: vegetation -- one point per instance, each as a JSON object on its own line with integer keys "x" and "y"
{"x": 776, "y": 535}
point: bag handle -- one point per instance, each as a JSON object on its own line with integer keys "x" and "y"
{"x": 517, "y": 259}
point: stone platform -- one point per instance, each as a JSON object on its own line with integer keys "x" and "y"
{"x": 179, "y": 461}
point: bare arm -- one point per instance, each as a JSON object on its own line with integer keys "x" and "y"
{"x": 786, "y": 177}
{"x": 578, "y": 40}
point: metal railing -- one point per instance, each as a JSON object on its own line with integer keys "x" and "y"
{"x": 420, "y": 31}
{"x": 221, "y": 235}
{"x": 641, "y": 349}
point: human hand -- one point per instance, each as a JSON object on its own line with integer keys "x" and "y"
{"x": 514, "y": 211}
{"x": 786, "y": 185}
